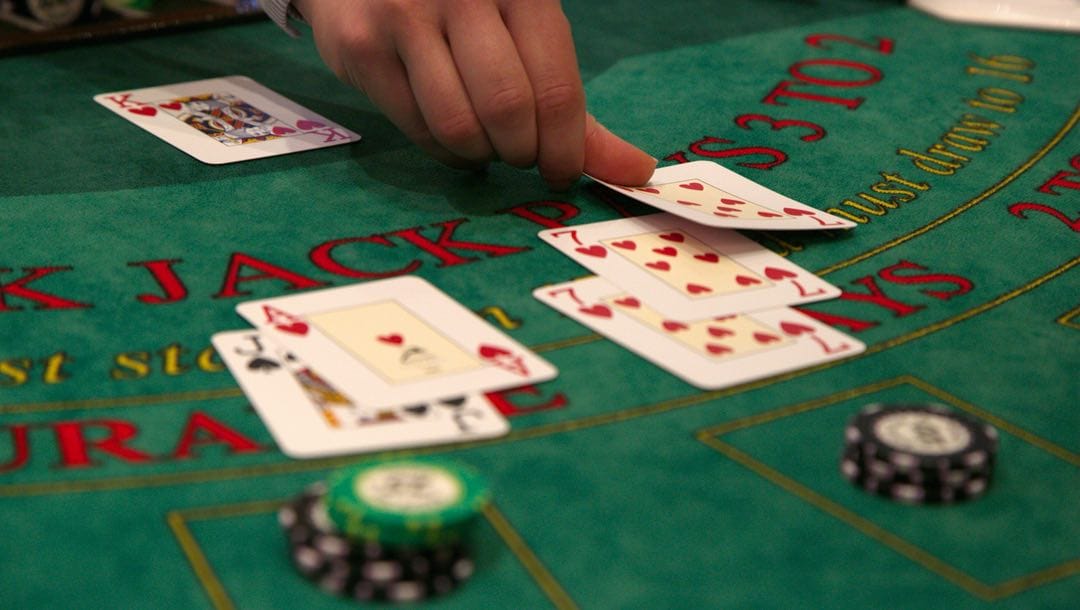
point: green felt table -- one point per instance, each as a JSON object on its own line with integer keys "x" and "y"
{"x": 134, "y": 474}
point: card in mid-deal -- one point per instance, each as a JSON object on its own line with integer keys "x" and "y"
{"x": 709, "y": 193}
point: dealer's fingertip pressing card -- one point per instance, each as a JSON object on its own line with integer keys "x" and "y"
{"x": 710, "y": 194}
{"x": 686, "y": 269}
{"x": 396, "y": 341}
{"x": 710, "y": 352}
{"x": 225, "y": 120}
{"x": 309, "y": 417}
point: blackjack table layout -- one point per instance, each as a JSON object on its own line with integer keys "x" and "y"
{"x": 134, "y": 472}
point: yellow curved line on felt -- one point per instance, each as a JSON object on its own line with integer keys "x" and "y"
{"x": 1035, "y": 158}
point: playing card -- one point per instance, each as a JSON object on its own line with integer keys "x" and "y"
{"x": 709, "y": 352}
{"x": 396, "y": 341}
{"x": 688, "y": 270}
{"x": 223, "y": 120}
{"x": 310, "y": 417}
{"x": 710, "y": 194}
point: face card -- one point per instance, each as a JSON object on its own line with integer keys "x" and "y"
{"x": 710, "y": 194}
{"x": 310, "y": 417}
{"x": 224, "y": 120}
{"x": 709, "y": 352}
{"x": 688, "y": 270}
{"x": 396, "y": 341}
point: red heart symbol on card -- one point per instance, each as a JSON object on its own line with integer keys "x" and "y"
{"x": 769, "y": 215}
{"x": 762, "y": 337}
{"x": 171, "y": 106}
{"x": 295, "y": 328}
{"x": 777, "y": 274}
{"x": 281, "y": 130}
{"x": 601, "y": 311}
{"x": 625, "y": 244}
{"x": 491, "y": 351}
{"x": 721, "y": 208}
{"x": 799, "y": 212}
{"x": 649, "y": 189}
{"x": 746, "y": 280}
{"x": 717, "y": 349}
{"x": 686, "y": 202}
{"x": 727, "y": 317}
{"x": 716, "y": 331}
{"x": 725, "y": 215}
{"x": 708, "y": 257}
{"x": 394, "y": 339}
{"x": 692, "y": 186}
{"x": 660, "y": 265}
{"x": 675, "y": 237}
{"x": 306, "y": 124}
{"x": 697, "y": 288}
{"x": 628, "y": 302}
{"x": 666, "y": 251}
{"x": 795, "y": 329}
{"x": 597, "y": 251}
{"x": 672, "y": 326}
{"x": 143, "y": 110}
{"x": 729, "y": 201}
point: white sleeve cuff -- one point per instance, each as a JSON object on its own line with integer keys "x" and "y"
{"x": 280, "y": 12}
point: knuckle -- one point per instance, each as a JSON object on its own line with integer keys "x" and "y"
{"x": 508, "y": 105}
{"x": 457, "y": 130}
{"x": 559, "y": 99}
{"x": 359, "y": 44}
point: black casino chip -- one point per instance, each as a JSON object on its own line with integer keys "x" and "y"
{"x": 366, "y": 570}
{"x": 914, "y": 493}
{"x": 919, "y": 453}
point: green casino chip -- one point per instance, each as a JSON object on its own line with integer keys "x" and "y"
{"x": 406, "y": 502}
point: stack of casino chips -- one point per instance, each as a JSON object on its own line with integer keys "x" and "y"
{"x": 394, "y": 531}
{"x": 919, "y": 453}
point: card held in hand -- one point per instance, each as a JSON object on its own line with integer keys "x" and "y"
{"x": 708, "y": 193}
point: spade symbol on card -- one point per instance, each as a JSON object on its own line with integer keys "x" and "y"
{"x": 262, "y": 364}
{"x": 503, "y": 358}
{"x": 456, "y": 402}
{"x": 417, "y": 410}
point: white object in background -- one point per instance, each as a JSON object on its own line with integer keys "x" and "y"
{"x": 1040, "y": 14}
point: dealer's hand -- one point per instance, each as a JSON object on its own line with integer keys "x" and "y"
{"x": 473, "y": 81}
